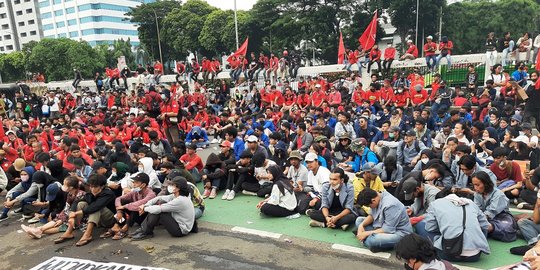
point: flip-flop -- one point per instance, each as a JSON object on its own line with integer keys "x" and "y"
{"x": 83, "y": 242}
{"x": 60, "y": 240}
{"x": 107, "y": 234}
{"x": 119, "y": 235}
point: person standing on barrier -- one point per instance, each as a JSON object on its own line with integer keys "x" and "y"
{"x": 77, "y": 80}
{"x": 506, "y": 46}
{"x": 389, "y": 56}
{"x": 491, "y": 49}
{"x": 445, "y": 46}
{"x": 429, "y": 51}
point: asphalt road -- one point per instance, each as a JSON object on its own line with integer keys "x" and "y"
{"x": 214, "y": 247}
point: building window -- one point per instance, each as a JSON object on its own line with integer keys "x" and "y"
{"x": 46, "y": 15}
{"x": 3, "y": 16}
{"x": 9, "y": 47}
{"x": 21, "y": 23}
{"x": 73, "y": 34}
{"x": 23, "y": 35}
{"x": 48, "y": 26}
{"x": 72, "y": 22}
{"x": 7, "y": 37}
{"x": 63, "y": 35}
{"x": 2, "y": 4}
{"x": 33, "y": 33}
{"x": 19, "y": 13}
{"x": 2, "y": 49}
{"x": 45, "y": 3}
{"x": 58, "y": 13}
{"x": 31, "y": 22}
{"x": 17, "y": 2}
{"x": 70, "y": 10}
{"x": 60, "y": 24}
{"x": 57, "y": 2}
{"x": 5, "y": 26}
{"x": 28, "y": 10}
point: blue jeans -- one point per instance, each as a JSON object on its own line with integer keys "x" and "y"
{"x": 420, "y": 229}
{"x": 198, "y": 212}
{"x": 378, "y": 240}
{"x": 529, "y": 230}
{"x": 24, "y": 202}
{"x": 431, "y": 61}
{"x": 436, "y": 106}
{"x": 506, "y": 51}
{"x": 448, "y": 58}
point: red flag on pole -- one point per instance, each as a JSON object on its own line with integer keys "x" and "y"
{"x": 537, "y": 65}
{"x": 241, "y": 51}
{"x": 367, "y": 40}
{"x": 341, "y": 50}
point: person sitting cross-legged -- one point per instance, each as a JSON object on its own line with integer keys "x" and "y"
{"x": 97, "y": 205}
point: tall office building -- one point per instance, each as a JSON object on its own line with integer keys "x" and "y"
{"x": 19, "y": 24}
{"x": 95, "y": 21}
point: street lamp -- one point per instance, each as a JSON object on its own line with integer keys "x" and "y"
{"x": 158, "y": 36}
{"x": 416, "y": 32}
{"x": 235, "y": 24}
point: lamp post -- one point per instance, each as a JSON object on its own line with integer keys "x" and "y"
{"x": 158, "y": 36}
{"x": 236, "y": 24}
{"x": 417, "y": 10}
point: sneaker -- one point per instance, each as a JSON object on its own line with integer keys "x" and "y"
{"x": 226, "y": 194}
{"x": 293, "y": 216}
{"x": 376, "y": 249}
{"x": 27, "y": 216}
{"x": 206, "y": 193}
{"x": 214, "y": 141}
{"x": 309, "y": 212}
{"x": 231, "y": 195}
{"x": 314, "y": 223}
{"x": 245, "y": 192}
{"x": 524, "y": 205}
{"x": 213, "y": 193}
{"x": 3, "y": 217}
{"x": 17, "y": 211}
{"x": 33, "y": 220}
{"x": 137, "y": 231}
{"x": 520, "y": 250}
{"x": 515, "y": 201}
{"x": 141, "y": 236}
{"x": 345, "y": 227}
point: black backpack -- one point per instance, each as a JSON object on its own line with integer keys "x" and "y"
{"x": 155, "y": 106}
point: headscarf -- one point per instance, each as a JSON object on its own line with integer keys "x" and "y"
{"x": 279, "y": 179}
{"x": 121, "y": 169}
{"x": 30, "y": 171}
{"x": 492, "y": 134}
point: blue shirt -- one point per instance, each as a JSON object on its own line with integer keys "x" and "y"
{"x": 391, "y": 216}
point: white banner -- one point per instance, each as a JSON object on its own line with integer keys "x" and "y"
{"x": 63, "y": 263}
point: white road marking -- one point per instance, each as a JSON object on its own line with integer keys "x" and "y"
{"x": 256, "y": 232}
{"x": 525, "y": 211}
{"x": 465, "y": 267}
{"x": 362, "y": 251}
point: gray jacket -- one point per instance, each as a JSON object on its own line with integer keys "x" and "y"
{"x": 493, "y": 204}
{"x": 462, "y": 178}
{"x": 346, "y": 196}
{"x": 421, "y": 204}
{"x": 181, "y": 209}
{"x": 391, "y": 216}
{"x": 396, "y": 176}
{"x": 444, "y": 218}
{"x": 405, "y": 153}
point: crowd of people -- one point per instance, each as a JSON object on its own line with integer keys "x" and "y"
{"x": 389, "y": 160}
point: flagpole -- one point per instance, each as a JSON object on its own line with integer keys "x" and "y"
{"x": 416, "y": 32}
{"x": 235, "y": 24}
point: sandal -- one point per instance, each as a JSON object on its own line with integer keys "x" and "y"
{"x": 83, "y": 242}
{"x": 107, "y": 234}
{"x": 119, "y": 235}
{"x": 61, "y": 239}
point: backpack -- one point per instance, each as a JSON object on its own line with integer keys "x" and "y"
{"x": 155, "y": 106}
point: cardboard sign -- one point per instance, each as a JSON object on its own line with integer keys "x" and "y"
{"x": 63, "y": 263}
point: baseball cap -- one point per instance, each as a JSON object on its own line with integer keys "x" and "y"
{"x": 252, "y": 138}
{"x": 246, "y": 154}
{"x": 225, "y": 144}
{"x": 372, "y": 168}
{"x": 141, "y": 177}
{"x": 526, "y": 126}
{"x": 11, "y": 132}
{"x": 19, "y": 164}
{"x": 429, "y": 37}
{"x": 311, "y": 157}
{"x": 521, "y": 138}
{"x": 410, "y": 133}
{"x": 52, "y": 191}
{"x": 409, "y": 187}
{"x": 517, "y": 117}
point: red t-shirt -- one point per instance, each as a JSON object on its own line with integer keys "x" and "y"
{"x": 419, "y": 97}
{"x": 504, "y": 174}
{"x": 401, "y": 99}
{"x": 389, "y": 53}
{"x": 430, "y": 45}
{"x": 371, "y": 96}
{"x": 413, "y": 50}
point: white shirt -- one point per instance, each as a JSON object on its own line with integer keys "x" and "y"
{"x": 316, "y": 181}
{"x": 287, "y": 200}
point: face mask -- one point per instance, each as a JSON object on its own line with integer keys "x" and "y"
{"x": 336, "y": 187}
{"x": 457, "y": 158}
{"x": 400, "y": 91}
{"x": 493, "y": 122}
{"x": 113, "y": 174}
{"x": 517, "y": 112}
{"x": 137, "y": 189}
{"x": 25, "y": 178}
{"x": 170, "y": 189}
{"x": 425, "y": 160}
{"x": 56, "y": 138}
{"x": 163, "y": 97}
{"x": 141, "y": 169}
{"x": 64, "y": 189}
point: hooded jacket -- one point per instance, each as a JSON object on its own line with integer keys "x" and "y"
{"x": 148, "y": 169}
{"x": 26, "y": 188}
{"x": 214, "y": 168}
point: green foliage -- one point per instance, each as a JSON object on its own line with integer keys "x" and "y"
{"x": 468, "y": 23}
{"x": 12, "y": 66}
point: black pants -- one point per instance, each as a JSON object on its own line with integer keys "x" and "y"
{"x": 125, "y": 82}
{"x": 371, "y": 63}
{"x": 243, "y": 181}
{"x": 293, "y": 71}
{"x": 165, "y": 219}
{"x": 528, "y": 196}
{"x": 346, "y": 220}
{"x": 265, "y": 189}
{"x": 275, "y": 211}
{"x": 532, "y": 114}
{"x": 75, "y": 83}
{"x": 194, "y": 76}
{"x": 386, "y": 65}
{"x": 111, "y": 82}
{"x": 178, "y": 75}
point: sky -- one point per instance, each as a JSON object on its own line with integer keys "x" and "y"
{"x": 229, "y": 4}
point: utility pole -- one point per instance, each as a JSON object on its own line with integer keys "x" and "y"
{"x": 417, "y": 11}
{"x": 159, "y": 37}
{"x": 236, "y": 24}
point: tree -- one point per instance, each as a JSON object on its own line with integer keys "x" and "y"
{"x": 183, "y": 25}
{"x": 12, "y": 66}
{"x": 145, "y": 16}
{"x": 468, "y": 23}
{"x": 218, "y": 33}
{"x": 123, "y": 48}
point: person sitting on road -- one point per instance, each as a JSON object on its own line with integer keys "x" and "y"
{"x": 282, "y": 200}
{"x": 213, "y": 176}
{"x": 192, "y": 162}
{"x": 58, "y": 222}
{"x": 127, "y": 207}
{"x": 419, "y": 253}
{"x": 261, "y": 165}
{"x": 196, "y": 196}
{"x": 337, "y": 207}
{"x": 175, "y": 212}
{"x": 146, "y": 166}
{"x": 24, "y": 193}
{"x": 317, "y": 176}
{"x": 387, "y": 223}
{"x": 97, "y": 205}
{"x": 198, "y": 137}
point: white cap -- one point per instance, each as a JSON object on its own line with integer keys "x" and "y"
{"x": 429, "y": 37}
{"x": 521, "y": 138}
{"x": 409, "y": 41}
{"x": 252, "y": 138}
{"x": 310, "y": 157}
{"x": 318, "y": 85}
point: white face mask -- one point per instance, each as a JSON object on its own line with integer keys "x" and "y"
{"x": 64, "y": 189}
{"x": 25, "y": 178}
{"x": 113, "y": 174}
{"x": 336, "y": 187}
{"x": 170, "y": 189}
{"x": 457, "y": 158}
{"x": 39, "y": 185}
{"x": 141, "y": 169}
{"x": 137, "y": 189}
{"x": 425, "y": 160}
{"x": 56, "y": 138}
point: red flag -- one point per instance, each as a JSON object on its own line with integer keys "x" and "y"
{"x": 367, "y": 40}
{"x": 341, "y": 50}
{"x": 537, "y": 66}
{"x": 241, "y": 51}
